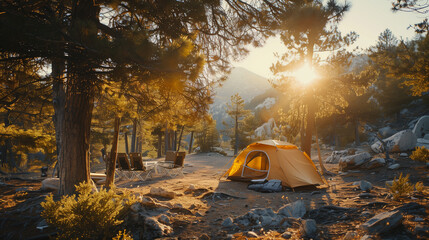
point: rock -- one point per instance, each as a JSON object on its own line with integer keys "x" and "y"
{"x": 286, "y": 235}
{"x": 337, "y": 155}
{"x": 382, "y": 222}
{"x": 400, "y": 142}
{"x": 308, "y": 228}
{"x": 418, "y": 219}
{"x": 164, "y": 219}
{"x": 160, "y": 192}
{"x": 136, "y": 207}
{"x": 177, "y": 205}
{"x": 296, "y": 209}
{"x": 350, "y": 236}
{"x": 356, "y": 183}
{"x": 154, "y": 229}
{"x": 403, "y": 155}
{"x": 266, "y": 220}
{"x": 366, "y": 195}
{"x": 147, "y": 201}
{"x": 365, "y": 186}
{"x": 42, "y": 225}
{"x": 421, "y": 142}
{"x": 50, "y": 184}
{"x": 412, "y": 208}
{"x": 375, "y": 163}
{"x": 251, "y": 234}
{"x": 422, "y": 127}
{"x": 354, "y": 161}
{"x": 228, "y": 222}
{"x": 368, "y": 237}
{"x": 366, "y": 214}
{"x": 386, "y": 131}
{"x": 191, "y": 187}
{"x": 394, "y": 166}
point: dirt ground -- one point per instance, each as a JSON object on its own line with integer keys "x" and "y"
{"x": 21, "y": 197}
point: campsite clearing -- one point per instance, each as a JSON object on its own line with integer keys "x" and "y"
{"x": 202, "y": 202}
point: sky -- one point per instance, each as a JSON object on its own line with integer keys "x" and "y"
{"x": 368, "y": 18}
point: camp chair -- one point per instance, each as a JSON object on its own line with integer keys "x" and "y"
{"x": 139, "y": 170}
{"x": 124, "y": 167}
{"x": 173, "y": 164}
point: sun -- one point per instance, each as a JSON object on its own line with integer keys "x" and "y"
{"x": 305, "y": 75}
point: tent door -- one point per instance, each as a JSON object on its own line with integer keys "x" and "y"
{"x": 256, "y": 165}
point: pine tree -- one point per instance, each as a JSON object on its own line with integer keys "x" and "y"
{"x": 235, "y": 110}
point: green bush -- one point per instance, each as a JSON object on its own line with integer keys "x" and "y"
{"x": 420, "y": 154}
{"x": 87, "y": 215}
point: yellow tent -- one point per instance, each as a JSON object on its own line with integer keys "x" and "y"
{"x": 271, "y": 159}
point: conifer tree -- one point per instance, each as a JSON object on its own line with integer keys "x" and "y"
{"x": 235, "y": 110}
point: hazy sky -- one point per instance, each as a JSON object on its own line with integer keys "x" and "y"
{"x": 368, "y": 18}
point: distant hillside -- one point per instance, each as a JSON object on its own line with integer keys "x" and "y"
{"x": 242, "y": 81}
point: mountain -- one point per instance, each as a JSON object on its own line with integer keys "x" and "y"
{"x": 242, "y": 81}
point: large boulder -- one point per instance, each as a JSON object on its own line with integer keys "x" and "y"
{"x": 382, "y": 222}
{"x": 400, "y": 142}
{"x": 423, "y": 142}
{"x": 422, "y": 127}
{"x": 336, "y": 156}
{"x": 50, "y": 184}
{"x": 375, "y": 163}
{"x": 386, "y": 131}
{"x": 353, "y": 161}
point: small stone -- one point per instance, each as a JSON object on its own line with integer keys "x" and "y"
{"x": 394, "y": 166}
{"x": 158, "y": 191}
{"x": 296, "y": 209}
{"x": 368, "y": 237}
{"x": 356, "y": 183}
{"x": 366, "y": 195}
{"x": 418, "y": 219}
{"x": 315, "y": 192}
{"x": 228, "y": 222}
{"x": 177, "y": 205}
{"x": 308, "y": 228}
{"x": 350, "y": 236}
{"x": 164, "y": 219}
{"x": 191, "y": 187}
{"x": 403, "y": 155}
{"x": 135, "y": 207}
{"x": 251, "y": 234}
{"x": 366, "y": 214}
{"x": 365, "y": 186}
{"x": 286, "y": 235}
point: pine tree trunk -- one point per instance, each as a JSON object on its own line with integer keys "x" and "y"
{"x": 166, "y": 139}
{"x": 134, "y": 136}
{"x": 159, "y": 144}
{"x": 310, "y": 105}
{"x": 58, "y": 99}
{"x": 191, "y": 142}
{"x": 74, "y": 152}
{"x": 126, "y": 142}
{"x": 180, "y": 137}
{"x": 110, "y": 171}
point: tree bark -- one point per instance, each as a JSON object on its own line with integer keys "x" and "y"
{"x": 191, "y": 142}
{"x": 58, "y": 100}
{"x": 310, "y": 104}
{"x": 126, "y": 141}
{"x": 159, "y": 144}
{"x": 236, "y": 134}
{"x": 134, "y": 136}
{"x": 74, "y": 152}
{"x": 180, "y": 137}
{"x": 166, "y": 139}
{"x": 110, "y": 171}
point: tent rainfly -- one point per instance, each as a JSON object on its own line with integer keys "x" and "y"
{"x": 271, "y": 159}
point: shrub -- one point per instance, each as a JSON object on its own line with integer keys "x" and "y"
{"x": 420, "y": 154}
{"x": 401, "y": 187}
{"x": 419, "y": 187}
{"x": 87, "y": 215}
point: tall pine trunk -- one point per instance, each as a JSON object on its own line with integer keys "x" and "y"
{"x": 111, "y": 162}
{"x": 357, "y": 140}
{"x": 58, "y": 99}
{"x": 79, "y": 100}
{"x": 191, "y": 142}
{"x": 134, "y": 136}
{"x": 180, "y": 137}
{"x": 311, "y": 108}
{"x": 126, "y": 142}
{"x": 74, "y": 152}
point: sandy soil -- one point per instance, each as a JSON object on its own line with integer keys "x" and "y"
{"x": 203, "y": 171}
